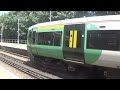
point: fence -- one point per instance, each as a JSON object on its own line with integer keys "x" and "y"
{"x": 14, "y": 41}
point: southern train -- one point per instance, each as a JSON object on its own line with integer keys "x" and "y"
{"x": 93, "y": 41}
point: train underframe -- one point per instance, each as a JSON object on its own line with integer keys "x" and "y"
{"x": 95, "y": 71}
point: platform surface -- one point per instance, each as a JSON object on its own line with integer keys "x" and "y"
{"x": 14, "y": 45}
{"x": 5, "y": 74}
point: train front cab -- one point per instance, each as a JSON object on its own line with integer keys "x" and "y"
{"x": 73, "y": 43}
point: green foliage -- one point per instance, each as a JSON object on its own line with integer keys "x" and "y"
{"x": 29, "y": 18}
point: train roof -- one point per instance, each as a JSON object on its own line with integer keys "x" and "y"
{"x": 78, "y": 20}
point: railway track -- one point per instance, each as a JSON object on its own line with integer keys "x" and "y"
{"x": 13, "y": 53}
{"x": 18, "y": 64}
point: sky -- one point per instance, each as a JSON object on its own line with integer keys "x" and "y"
{"x": 2, "y": 12}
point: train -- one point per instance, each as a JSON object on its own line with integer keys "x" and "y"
{"x": 87, "y": 41}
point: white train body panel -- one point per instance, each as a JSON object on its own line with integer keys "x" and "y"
{"x": 109, "y": 59}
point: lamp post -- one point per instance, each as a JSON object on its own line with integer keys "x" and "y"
{"x": 2, "y": 33}
{"x": 50, "y": 15}
{"x": 18, "y": 31}
{"x": 30, "y": 14}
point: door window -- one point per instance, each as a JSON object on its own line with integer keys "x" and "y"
{"x": 73, "y": 39}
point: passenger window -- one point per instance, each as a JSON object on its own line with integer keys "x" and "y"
{"x": 33, "y": 37}
{"x": 57, "y": 38}
{"x": 50, "y": 38}
{"x": 30, "y": 34}
{"x": 103, "y": 39}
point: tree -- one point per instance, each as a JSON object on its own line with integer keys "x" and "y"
{"x": 29, "y": 18}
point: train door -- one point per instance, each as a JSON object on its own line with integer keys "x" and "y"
{"x": 73, "y": 48}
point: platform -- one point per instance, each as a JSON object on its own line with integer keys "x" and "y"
{"x": 15, "y": 48}
{"x": 5, "y": 74}
{"x": 14, "y": 45}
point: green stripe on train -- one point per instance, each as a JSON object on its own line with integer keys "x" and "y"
{"x": 91, "y": 55}
{"x": 50, "y": 51}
